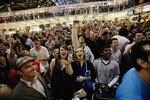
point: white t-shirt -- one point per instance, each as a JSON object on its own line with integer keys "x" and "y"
{"x": 43, "y": 53}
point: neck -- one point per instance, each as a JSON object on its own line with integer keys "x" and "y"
{"x": 105, "y": 58}
{"x": 144, "y": 74}
{"x": 114, "y": 49}
{"x": 28, "y": 79}
{"x": 81, "y": 61}
{"x": 37, "y": 47}
{"x": 81, "y": 45}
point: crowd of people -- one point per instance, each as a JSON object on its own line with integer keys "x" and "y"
{"x": 82, "y": 60}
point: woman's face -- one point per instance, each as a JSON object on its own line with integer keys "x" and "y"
{"x": 63, "y": 53}
{"x": 79, "y": 53}
{"x": 50, "y": 37}
{"x": 56, "y": 53}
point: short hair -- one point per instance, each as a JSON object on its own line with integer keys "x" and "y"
{"x": 102, "y": 49}
{"x": 134, "y": 34}
{"x": 113, "y": 40}
{"x": 138, "y": 51}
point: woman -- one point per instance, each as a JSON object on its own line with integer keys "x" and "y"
{"x": 60, "y": 73}
{"x": 80, "y": 66}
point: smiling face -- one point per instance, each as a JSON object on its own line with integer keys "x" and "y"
{"x": 28, "y": 70}
{"x": 106, "y": 53}
{"x": 138, "y": 37}
{"x": 63, "y": 52}
{"x": 114, "y": 44}
{"x": 79, "y": 54}
{"x": 93, "y": 35}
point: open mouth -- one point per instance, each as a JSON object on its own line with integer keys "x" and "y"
{"x": 80, "y": 55}
{"x": 36, "y": 43}
{"x": 63, "y": 54}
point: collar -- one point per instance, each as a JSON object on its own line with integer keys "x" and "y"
{"x": 29, "y": 83}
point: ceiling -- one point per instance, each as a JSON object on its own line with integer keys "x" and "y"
{"x": 16, "y": 5}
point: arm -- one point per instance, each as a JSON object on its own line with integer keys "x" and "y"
{"x": 127, "y": 49}
{"x": 116, "y": 77}
{"x": 69, "y": 69}
{"x": 67, "y": 65}
{"x": 52, "y": 65}
{"x": 74, "y": 38}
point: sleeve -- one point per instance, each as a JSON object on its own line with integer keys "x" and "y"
{"x": 116, "y": 73}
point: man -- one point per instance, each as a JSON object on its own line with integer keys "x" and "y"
{"x": 31, "y": 86}
{"x": 122, "y": 40}
{"x": 136, "y": 82}
{"x": 137, "y": 36}
{"x": 107, "y": 70}
{"x": 115, "y": 52}
{"x": 41, "y": 52}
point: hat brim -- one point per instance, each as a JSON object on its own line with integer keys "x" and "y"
{"x": 18, "y": 66}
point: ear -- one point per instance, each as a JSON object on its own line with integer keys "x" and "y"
{"x": 142, "y": 63}
{"x": 19, "y": 73}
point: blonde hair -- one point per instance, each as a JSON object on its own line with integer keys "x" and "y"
{"x": 75, "y": 57}
{"x": 25, "y": 53}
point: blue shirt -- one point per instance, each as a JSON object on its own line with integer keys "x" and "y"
{"x": 133, "y": 87}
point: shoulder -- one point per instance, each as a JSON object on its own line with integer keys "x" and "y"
{"x": 97, "y": 60}
{"x": 18, "y": 90}
{"x": 53, "y": 61}
{"x": 133, "y": 83}
{"x": 43, "y": 48}
{"x": 114, "y": 62}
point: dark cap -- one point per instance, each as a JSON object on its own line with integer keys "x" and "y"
{"x": 20, "y": 61}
